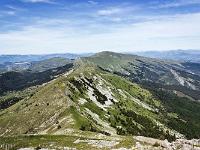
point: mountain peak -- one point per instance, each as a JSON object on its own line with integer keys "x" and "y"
{"x": 107, "y": 53}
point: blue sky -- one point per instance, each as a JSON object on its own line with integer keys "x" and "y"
{"x": 77, "y": 26}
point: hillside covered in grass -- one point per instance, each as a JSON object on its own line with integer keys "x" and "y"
{"x": 179, "y": 77}
{"x": 90, "y": 101}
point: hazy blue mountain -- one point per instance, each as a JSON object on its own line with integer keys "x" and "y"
{"x": 36, "y": 62}
{"x": 35, "y": 66}
{"x": 30, "y": 58}
{"x": 180, "y": 55}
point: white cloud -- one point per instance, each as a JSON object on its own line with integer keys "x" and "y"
{"x": 161, "y": 33}
{"x": 123, "y": 9}
{"x": 7, "y": 13}
{"x": 10, "y": 11}
{"x": 178, "y": 3}
{"x": 39, "y": 1}
{"x": 14, "y": 8}
{"x": 109, "y": 11}
{"x": 92, "y": 2}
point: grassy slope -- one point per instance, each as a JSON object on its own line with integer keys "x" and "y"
{"x": 55, "y": 108}
{"x": 67, "y": 141}
{"x": 139, "y": 69}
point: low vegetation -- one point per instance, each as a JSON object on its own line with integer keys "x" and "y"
{"x": 91, "y": 102}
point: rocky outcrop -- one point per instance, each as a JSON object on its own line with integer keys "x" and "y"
{"x": 144, "y": 143}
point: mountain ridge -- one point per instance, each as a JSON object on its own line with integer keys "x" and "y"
{"x": 92, "y": 100}
{"x": 179, "y": 55}
{"x": 142, "y": 69}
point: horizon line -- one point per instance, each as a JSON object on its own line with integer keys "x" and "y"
{"x": 82, "y": 53}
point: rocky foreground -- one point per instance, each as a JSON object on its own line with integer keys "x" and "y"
{"x": 108, "y": 143}
{"x": 144, "y": 143}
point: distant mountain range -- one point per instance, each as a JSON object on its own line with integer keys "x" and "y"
{"x": 36, "y": 63}
{"x": 180, "y": 55}
{"x": 31, "y": 58}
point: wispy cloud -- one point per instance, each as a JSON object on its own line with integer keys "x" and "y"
{"x": 93, "y": 25}
{"x": 124, "y": 9}
{"x": 5, "y": 13}
{"x": 109, "y": 11}
{"x": 10, "y": 10}
{"x": 164, "y": 32}
{"x": 39, "y": 1}
{"x": 14, "y": 8}
{"x": 93, "y": 2}
{"x": 178, "y": 3}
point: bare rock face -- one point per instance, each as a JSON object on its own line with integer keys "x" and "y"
{"x": 144, "y": 143}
